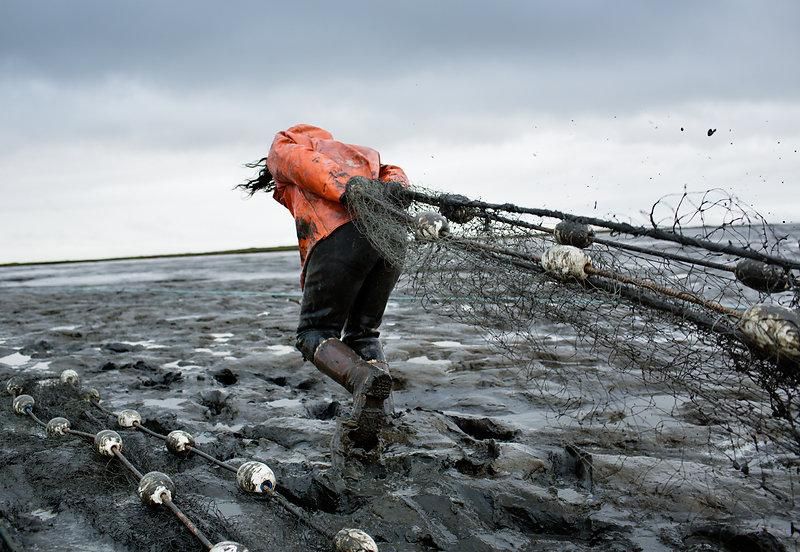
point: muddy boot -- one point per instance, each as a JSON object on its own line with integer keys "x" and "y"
{"x": 370, "y": 349}
{"x": 369, "y": 382}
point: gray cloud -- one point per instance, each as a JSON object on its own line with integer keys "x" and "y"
{"x": 727, "y": 47}
{"x": 134, "y": 110}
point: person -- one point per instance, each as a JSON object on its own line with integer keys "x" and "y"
{"x": 346, "y": 282}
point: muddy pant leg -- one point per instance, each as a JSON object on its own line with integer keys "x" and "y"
{"x": 361, "y": 329}
{"x": 335, "y": 271}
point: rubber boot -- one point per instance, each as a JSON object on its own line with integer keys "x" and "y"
{"x": 368, "y": 348}
{"x": 371, "y": 350}
{"x": 369, "y": 382}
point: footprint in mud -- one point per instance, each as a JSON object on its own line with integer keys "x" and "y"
{"x": 217, "y": 404}
{"x": 480, "y": 462}
{"x": 324, "y": 410}
{"x": 713, "y": 538}
{"x": 226, "y": 377}
{"x": 161, "y": 382}
{"x": 483, "y": 428}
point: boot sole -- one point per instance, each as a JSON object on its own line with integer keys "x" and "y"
{"x": 378, "y": 385}
{"x": 369, "y": 415}
{"x": 369, "y": 418}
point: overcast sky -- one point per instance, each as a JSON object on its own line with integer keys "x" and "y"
{"x": 125, "y": 125}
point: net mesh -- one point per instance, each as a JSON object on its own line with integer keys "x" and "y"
{"x": 660, "y": 308}
{"x": 67, "y": 474}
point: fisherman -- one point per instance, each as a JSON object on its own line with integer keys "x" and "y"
{"x": 345, "y": 280}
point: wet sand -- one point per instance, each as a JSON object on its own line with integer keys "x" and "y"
{"x": 483, "y": 454}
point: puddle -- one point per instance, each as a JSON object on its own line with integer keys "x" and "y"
{"x": 425, "y": 360}
{"x": 281, "y": 349}
{"x": 447, "y": 344}
{"x": 15, "y": 360}
{"x": 170, "y": 403}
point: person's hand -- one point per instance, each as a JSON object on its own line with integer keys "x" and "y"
{"x": 397, "y": 194}
{"x": 454, "y": 208}
{"x": 353, "y": 186}
{"x": 430, "y": 226}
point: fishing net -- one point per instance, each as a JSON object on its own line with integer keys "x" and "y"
{"x": 66, "y": 474}
{"x": 663, "y": 305}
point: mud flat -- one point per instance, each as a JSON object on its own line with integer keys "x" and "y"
{"x": 483, "y": 454}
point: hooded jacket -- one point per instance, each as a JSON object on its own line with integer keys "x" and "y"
{"x": 311, "y": 170}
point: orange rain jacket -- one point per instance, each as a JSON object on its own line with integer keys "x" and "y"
{"x": 311, "y": 170}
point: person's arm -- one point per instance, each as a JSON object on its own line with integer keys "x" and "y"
{"x": 393, "y": 173}
{"x": 395, "y": 182}
{"x": 299, "y": 164}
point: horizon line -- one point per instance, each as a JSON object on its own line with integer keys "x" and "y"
{"x": 244, "y": 251}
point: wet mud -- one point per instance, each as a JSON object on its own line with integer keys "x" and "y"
{"x": 481, "y": 454}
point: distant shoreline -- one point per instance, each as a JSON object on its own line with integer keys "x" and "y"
{"x": 275, "y": 249}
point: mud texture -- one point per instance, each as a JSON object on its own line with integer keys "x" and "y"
{"x": 477, "y": 458}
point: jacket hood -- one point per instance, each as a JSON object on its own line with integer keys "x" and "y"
{"x": 310, "y": 131}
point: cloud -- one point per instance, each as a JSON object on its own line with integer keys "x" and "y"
{"x": 130, "y": 122}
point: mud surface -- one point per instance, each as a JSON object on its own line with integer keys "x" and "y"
{"x": 478, "y": 458}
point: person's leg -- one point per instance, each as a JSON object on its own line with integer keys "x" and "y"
{"x": 365, "y": 316}
{"x": 335, "y": 272}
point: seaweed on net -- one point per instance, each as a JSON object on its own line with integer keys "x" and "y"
{"x": 65, "y": 473}
{"x": 660, "y": 303}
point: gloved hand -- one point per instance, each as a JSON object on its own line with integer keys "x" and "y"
{"x": 454, "y": 209}
{"x": 430, "y": 226}
{"x": 396, "y": 193}
{"x": 353, "y": 185}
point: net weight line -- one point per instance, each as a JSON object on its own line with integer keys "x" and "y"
{"x": 108, "y": 443}
{"x": 369, "y": 206}
{"x": 612, "y": 243}
{"x": 646, "y": 302}
{"x": 533, "y": 263}
{"x": 273, "y": 491}
{"x": 252, "y": 476}
{"x": 621, "y": 227}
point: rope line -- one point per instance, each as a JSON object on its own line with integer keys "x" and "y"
{"x": 211, "y": 459}
{"x": 79, "y": 433}
{"x": 299, "y": 513}
{"x": 165, "y": 497}
{"x": 618, "y": 245}
{"x": 682, "y": 295}
{"x": 193, "y": 529}
{"x": 622, "y": 227}
{"x": 36, "y": 419}
{"x": 534, "y": 260}
{"x": 121, "y": 457}
{"x": 666, "y": 255}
